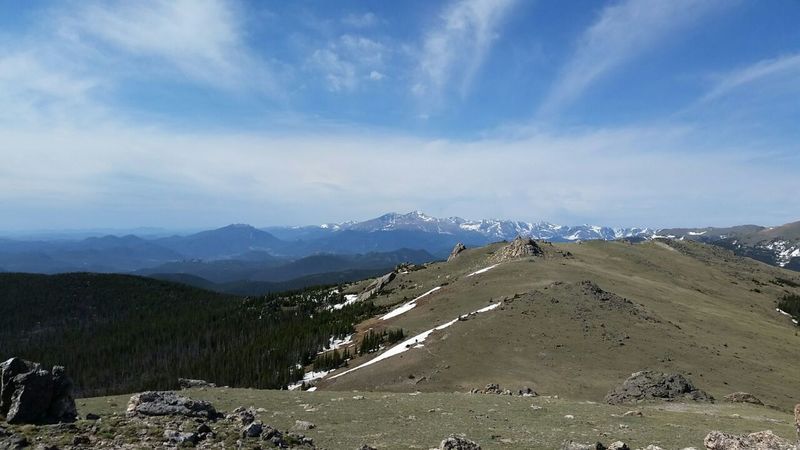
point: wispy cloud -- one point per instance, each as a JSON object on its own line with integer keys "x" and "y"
{"x": 457, "y": 45}
{"x": 621, "y": 32}
{"x": 203, "y": 40}
{"x": 348, "y": 60}
{"x": 760, "y": 71}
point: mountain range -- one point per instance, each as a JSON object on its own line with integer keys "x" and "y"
{"x": 251, "y": 260}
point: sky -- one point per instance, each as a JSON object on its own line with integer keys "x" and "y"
{"x": 200, "y": 113}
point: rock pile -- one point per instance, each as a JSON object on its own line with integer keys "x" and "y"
{"x": 520, "y": 247}
{"x": 167, "y": 403}
{"x": 743, "y": 397}
{"x": 31, "y": 394}
{"x": 456, "y": 251}
{"x": 762, "y": 440}
{"x": 494, "y": 388}
{"x": 651, "y": 385}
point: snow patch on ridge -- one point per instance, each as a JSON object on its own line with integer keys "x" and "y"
{"x": 408, "y": 306}
{"x": 484, "y": 270}
{"x": 414, "y": 342}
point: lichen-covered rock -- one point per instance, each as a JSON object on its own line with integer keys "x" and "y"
{"x": 743, "y": 397}
{"x": 649, "y": 385}
{"x": 177, "y": 437}
{"x": 31, "y": 394}
{"x": 456, "y": 251}
{"x": 762, "y": 440}
{"x": 188, "y": 383}
{"x": 520, "y": 247}
{"x": 167, "y": 403}
{"x": 254, "y": 429}
{"x": 454, "y": 442}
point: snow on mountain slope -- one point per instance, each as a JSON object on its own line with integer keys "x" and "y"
{"x": 492, "y": 229}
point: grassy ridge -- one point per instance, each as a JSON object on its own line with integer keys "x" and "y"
{"x": 118, "y": 333}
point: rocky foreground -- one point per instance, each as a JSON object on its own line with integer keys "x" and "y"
{"x": 40, "y": 412}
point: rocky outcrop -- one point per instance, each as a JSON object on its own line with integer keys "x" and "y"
{"x": 762, "y": 440}
{"x": 520, "y": 247}
{"x": 376, "y": 286}
{"x": 797, "y": 421}
{"x": 31, "y": 394}
{"x": 651, "y": 385}
{"x": 456, "y": 251}
{"x": 167, "y": 403}
{"x": 494, "y": 388}
{"x": 188, "y": 383}
{"x": 743, "y": 397}
{"x": 454, "y": 442}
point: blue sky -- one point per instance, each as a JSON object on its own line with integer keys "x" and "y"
{"x": 198, "y": 113}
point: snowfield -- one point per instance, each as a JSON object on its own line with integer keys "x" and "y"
{"x": 406, "y": 307}
{"x": 414, "y": 342}
{"x": 484, "y": 270}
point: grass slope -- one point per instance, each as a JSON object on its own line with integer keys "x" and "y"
{"x": 346, "y": 420}
{"x": 692, "y": 308}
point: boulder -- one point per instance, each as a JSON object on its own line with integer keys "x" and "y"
{"x": 303, "y": 425}
{"x": 618, "y": 445}
{"x": 30, "y": 394}
{"x": 762, "y": 440}
{"x": 456, "y": 251}
{"x": 254, "y": 429}
{"x": 177, "y": 437}
{"x": 520, "y": 247}
{"x": 743, "y": 397}
{"x": 649, "y": 385}
{"x": 455, "y": 442}
{"x": 167, "y": 403}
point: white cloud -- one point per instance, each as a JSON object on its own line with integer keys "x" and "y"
{"x": 616, "y": 176}
{"x": 202, "y": 40}
{"x": 456, "y": 46}
{"x": 347, "y": 60}
{"x": 763, "y": 70}
{"x": 621, "y": 32}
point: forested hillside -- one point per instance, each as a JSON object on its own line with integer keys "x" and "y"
{"x": 119, "y": 333}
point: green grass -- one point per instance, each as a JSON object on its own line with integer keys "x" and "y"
{"x": 421, "y": 420}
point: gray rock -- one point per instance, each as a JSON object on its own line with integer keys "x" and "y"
{"x": 376, "y": 286}
{"x": 243, "y": 415}
{"x": 743, "y": 397}
{"x": 81, "y": 440}
{"x": 13, "y": 442}
{"x": 303, "y": 425}
{"x": 572, "y": 445}
{"x": 762, "y": 440}
{"x": 797, "y": 421}
{"x": 648, "y": 385}
{"x": 30, "y": 394}
{"x": 8, "y": 370}
{"x": 92, "y": 416}
{"x": 456, "y": 251}
{"x": 254, "y": 429}
{"x": 618, "y": 445}
{"x": 187, "y": 383}
{"x": 454, "y": 442}
{"x": 33, "y": 394}
{"x": 527, "y": 392}
{"x": 366, "y": 447}
{"x": 177, "y": 437}
{"x": 520, "y": 247}
{"x": 167, "y": 403}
